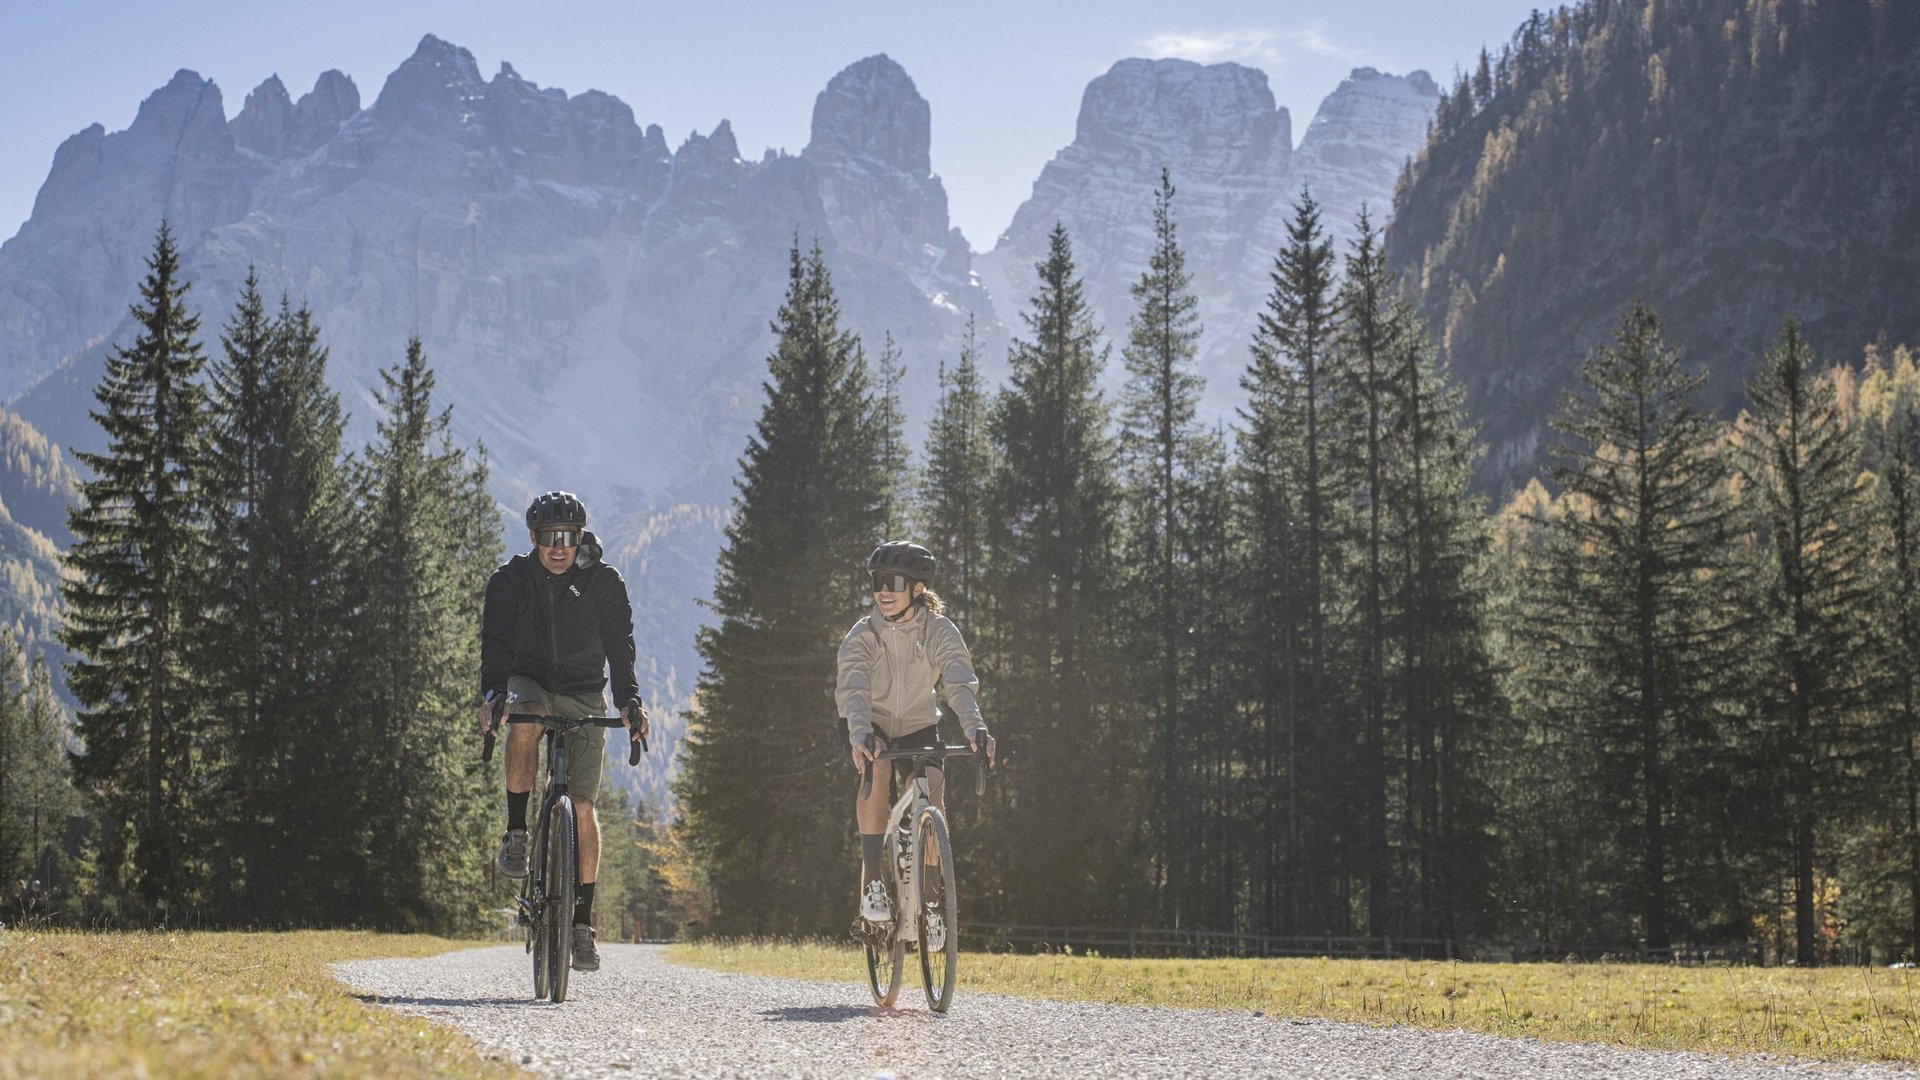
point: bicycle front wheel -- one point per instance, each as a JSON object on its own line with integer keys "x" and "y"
{"x": 563, "y": 868}
{"x": 939, "y": 909}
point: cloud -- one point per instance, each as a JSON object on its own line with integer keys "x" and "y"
{"x": 1261, "y": 46}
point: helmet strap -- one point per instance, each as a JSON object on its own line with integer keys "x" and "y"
{"x": 915, "y": 600}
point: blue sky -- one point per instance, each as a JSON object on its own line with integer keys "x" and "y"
{"x": 1004, "y": 78}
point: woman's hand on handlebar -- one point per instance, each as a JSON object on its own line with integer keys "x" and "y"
{"x": 991, "y": 744}
{"x": 862, "y": 754}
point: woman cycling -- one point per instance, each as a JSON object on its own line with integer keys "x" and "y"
{"x": 885, "y": 692}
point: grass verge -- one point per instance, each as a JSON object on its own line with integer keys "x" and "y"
{"x": 212, "y": 1005}
{"x": 1855, "y": 1014}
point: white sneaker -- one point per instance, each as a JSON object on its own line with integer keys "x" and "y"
{"x": 936, "y": 932}
{"x": 874, "y": 905}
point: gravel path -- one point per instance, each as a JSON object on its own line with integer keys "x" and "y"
{"x": 640, "y": 1016}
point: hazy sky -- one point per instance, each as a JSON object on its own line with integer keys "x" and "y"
{"x": 1004, "y": 78}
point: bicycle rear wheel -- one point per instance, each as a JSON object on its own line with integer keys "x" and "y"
{"x": 939, "y": 909}
{"x": 563, "y": 868}
{"x": 533, "y": 906}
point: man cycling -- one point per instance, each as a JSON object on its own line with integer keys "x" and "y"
{"x": 557, "y": 620}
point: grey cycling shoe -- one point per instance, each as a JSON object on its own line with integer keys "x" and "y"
{"x": 513, "y": 854}
{"x": 585, "y": 956}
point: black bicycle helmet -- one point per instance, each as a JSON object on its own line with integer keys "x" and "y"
{"x": 907, "y": 558}
{"x": 556, "y": 508}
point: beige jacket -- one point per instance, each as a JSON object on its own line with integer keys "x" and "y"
{"x": 888, "y": 671}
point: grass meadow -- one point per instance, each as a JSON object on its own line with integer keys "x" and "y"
{"x": 212, "y": 1005}
{"x": 1857, "y": 1014}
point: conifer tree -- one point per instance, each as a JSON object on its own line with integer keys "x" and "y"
{"x": 1449, "y": 704}
{"x": 773, "y": 828}
{"x": 138, "y": 542}
{"x": 275, "y": 649}
{"x": 1158, "y": 445}
{"x": 1281, "y": 481}
{"x": 953, "y": 487}
{"x": 889, "y": 430}
{"x": 1643, "y": 618}
{"x": 1051, "y": 531}
{"x": 1891, "y": 409}
{"x": 1809, "y": 599}
{"x": 428, "y": 538}
{"x": 1370, "y": 338}
{"x": 35, "y": 795}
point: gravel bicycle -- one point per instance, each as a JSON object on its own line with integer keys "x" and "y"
{"x": 919, "y": 860}
{"x": 547, "y": 895}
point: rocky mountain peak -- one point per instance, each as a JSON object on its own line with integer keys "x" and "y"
{"x": 1211, "y": 116}
{"x": 265, "y": 123}
{"x": 319, "y": 113}
{"x": 187, "y": 112}
{"x": 873, "y": 110}
{"x": 439, "y": 80}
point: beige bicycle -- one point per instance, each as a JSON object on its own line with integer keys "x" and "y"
{"x": 926, "y": 903}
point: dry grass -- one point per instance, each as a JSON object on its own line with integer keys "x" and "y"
{"x": 1858, "y": 1014}
{"x": 212, "y": 1005}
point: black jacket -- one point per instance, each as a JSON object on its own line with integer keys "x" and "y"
{"x": 560, "y": 630}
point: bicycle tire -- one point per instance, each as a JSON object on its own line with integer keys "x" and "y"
{"x": 533, "y": 901}
{"x": 893, "y": 962}
{"x": 937, "y": 966}
{"x": 563, "y": 870}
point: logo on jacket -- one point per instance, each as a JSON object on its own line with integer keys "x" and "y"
{"x": 574, "y": 589}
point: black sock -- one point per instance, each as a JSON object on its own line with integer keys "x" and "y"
{"x": 517, "y": 809}
{"x": 871, "y": 859}
{"x": 583, "y": 906}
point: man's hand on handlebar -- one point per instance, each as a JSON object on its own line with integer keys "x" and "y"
{"x": 487, "y": 715}
{"x": 639, "y": 724}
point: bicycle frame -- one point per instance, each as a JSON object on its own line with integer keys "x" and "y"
{"x": 901, "y": 820}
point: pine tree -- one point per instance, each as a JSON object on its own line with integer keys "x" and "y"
{"x": 137, "y": 547}
{"x": 1370, "y": 338}
{"x": 1891, "y": 406}
{"x": 275, "y": 649}
{"x": 429, "y": 538}
{"x": 771, "y": 826}
{"x": 1799, "y": 463}
{"x": 1051, "y": 531}
{"x": 1644, "y": 615}
{"x": 889, "y": 429}
{"x": 953, "y": 488}
{"x": 1281, "y": 481}
{"x": 1449, "y": 702}
{"x": 1157, "y": 448}
{"x": 35, "y": 796}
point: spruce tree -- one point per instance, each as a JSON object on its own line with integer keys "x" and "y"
{"x": 138, "y": 543}
{"x": 275, "y": 647}
{"x": 953, "y": 487}
{"x": 765, "y": 789}
{"x": 428, "y": 537}
{"x": 1644, "y": 618}
{"x": 1158, "y": 444}
{"x": 1449, "y": 703}
{"x": 1890, "y": 397}
{"x": 1809, "y": 599}
{"x": 889, "y": 429}
{"x": 1370, "y": 338}
{"x": 1051, "y": 532}
{"x": 35, "y": 796}
{"x": 1281, "y": 484}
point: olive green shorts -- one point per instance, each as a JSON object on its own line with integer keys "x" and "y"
{"x": 585, "y": 746}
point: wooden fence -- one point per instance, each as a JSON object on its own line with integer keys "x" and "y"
{"x": 1150, "y": 942}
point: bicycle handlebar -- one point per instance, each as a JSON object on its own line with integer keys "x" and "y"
{"x": 561, "y": 724}
{"x": 941, "y": 752}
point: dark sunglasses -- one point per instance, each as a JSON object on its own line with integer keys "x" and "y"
{"x": 884, "y": 581}
{"x": 558, "y": 538}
